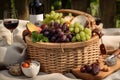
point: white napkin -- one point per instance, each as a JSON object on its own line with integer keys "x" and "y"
{"x": 111, "y": 37}
{"x": 10, "y": 54}
{"x": 53, "y": 76}
{"x": 15, "y": 52}
{"x": 5, "y": 34}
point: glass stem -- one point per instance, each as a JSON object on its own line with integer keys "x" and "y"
{"x": 11, "y": 36}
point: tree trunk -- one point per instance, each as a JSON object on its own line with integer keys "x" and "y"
{"x": 4, "y": 4}
{"x": 108, "y": 12}
{"x": 20, "y": 5}
{"x": 22, "y": 8}
{"x": 81, "y": 5}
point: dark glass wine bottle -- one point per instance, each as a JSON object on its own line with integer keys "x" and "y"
{"x": 36, "y": 11}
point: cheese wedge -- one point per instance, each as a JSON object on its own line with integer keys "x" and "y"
{"x": 31, "y": 27}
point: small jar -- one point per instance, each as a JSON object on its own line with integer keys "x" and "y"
{"x": 15, "y": 70}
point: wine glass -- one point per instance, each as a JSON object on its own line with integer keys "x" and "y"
{"x": 10, "y": 21}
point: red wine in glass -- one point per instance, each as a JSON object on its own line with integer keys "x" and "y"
{"x": 11, "y": 24}
{"x": 10, "y": 21}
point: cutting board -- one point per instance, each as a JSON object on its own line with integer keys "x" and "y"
{"x": 100, "y": 76}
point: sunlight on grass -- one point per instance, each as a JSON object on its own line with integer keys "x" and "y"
{"x": 118, "y": 23}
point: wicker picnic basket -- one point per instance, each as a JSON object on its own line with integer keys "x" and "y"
{"x": 61, "y": 57}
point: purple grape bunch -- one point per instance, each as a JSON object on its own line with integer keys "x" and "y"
{"x": 57, "y": 32}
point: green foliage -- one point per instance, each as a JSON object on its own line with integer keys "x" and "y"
{"x": 38, "y": 37}
{"x": 118, "y": 13}
{"x": 58, "y": 4}
{"x": 12, "y": 7}
{"x": 12, "y": 4}
{"x": 118, "y": 7}
{"x": 94, "y": 5}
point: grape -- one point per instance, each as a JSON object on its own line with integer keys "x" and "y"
{"x": 82, "y": 34}
{"x": 44, "y": 26}
{"x": 70, "y": 14}
{"x": 87, "y": 31}
{"x": 88, "y": 68}
{"x": 60, "y": 26}
{"x": 83, "y": 38}
{"x": 81, "y": 27}
{"x": 53, "y": 38}
{"x": 52, "y": 31}
{"x": 74, "y": 39}
{"x": 60, "y": 34}
{"x": 60, "y": 15}
{"x": 58, "y": 30}
{"x": 67, "y": 40}
{"x": 63, "y": 38}
{"x": 82, "y": 69}
{"x": 52, "y": 12}
{"x": 77, "y": 30}
{"x": 64, "y": 27}
{"x": 56, "y": 16}
{"x": 78, "y": 37}
{"x": 71, "y": 26}
{"x": 46, "y": 21}
{"x": 58, "y": 21}
{"x": 46, "y": 33}
{"x": 95, "y": 68}
{"x": 87, "y": 37}
{"x": 52, "y": 23}
{"x": 71, "y": 29}
{"x": 53, "y": 16}
{"x": 47, "y": 15}
{"x": 56, "y": 24}
{"x": 69, "y": 36}
{"x": 76, "y": 24}
{"x": 62, "y": 21}
{"x": 58, "y": 40}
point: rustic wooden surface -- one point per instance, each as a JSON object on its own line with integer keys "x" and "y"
{"x": 99, "y": 76}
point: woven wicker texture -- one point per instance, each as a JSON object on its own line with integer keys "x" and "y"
{"x": 61, "y": 57}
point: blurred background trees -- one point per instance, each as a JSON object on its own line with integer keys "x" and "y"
{"x": 107, "y": 10}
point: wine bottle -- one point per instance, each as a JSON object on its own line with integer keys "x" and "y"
{"x": 36, "y": 11}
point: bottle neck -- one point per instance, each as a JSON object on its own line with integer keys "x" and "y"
{"x": 36, "y": 1}
{"x": 36, "y": 7}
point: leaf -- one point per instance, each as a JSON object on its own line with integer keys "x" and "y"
{"x": 45, "y": 39}
{"x": 34, "y": 36}
{"x": 38, "y": 37}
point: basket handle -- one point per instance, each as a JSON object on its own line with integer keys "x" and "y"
{"x": 98, "y": 32}
{"x": 91, "y": 19}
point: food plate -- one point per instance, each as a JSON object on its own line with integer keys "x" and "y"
{"x": 100, "y": 76}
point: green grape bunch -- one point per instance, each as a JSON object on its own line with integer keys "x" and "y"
{"x": 80, "y": 32}
{"x": 53, "y": 17}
